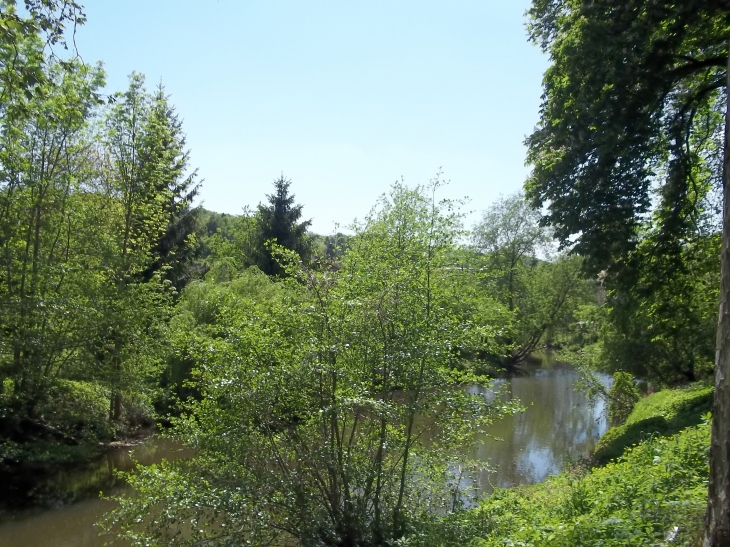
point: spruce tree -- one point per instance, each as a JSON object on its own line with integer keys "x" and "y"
{"x": 279, "y": 222}
{"x": 164, "y": 165}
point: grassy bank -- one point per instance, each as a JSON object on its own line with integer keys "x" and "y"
{"x": 653, "y": 494}
{"x": 662, "y": 413}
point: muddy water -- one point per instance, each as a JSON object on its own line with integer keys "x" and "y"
{"x": 558, "y": 427}
{"x": 60, "y": 510}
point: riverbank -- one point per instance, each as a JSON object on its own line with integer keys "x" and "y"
{"x": 662, "y": 413}
{"x": 558, "y": 426}
{"x": 655, "y": 493}
{"x": 46, "y": 475}
{"x": 50, "y": 454}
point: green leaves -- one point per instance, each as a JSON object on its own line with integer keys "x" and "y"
{"x": 515, "y": 267}
{"x": 621, "y": 112}
{"x": 329, "y": 407}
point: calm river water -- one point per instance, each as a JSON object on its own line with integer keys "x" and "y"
{"x": 558, "y": 427}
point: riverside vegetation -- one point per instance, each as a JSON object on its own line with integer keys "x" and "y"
{"x": 306, "y": 370}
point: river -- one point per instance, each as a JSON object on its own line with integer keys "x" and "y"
{"x": 559, "y": 426}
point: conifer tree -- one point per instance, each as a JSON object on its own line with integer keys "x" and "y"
{"x": 164, "y": 162}
{"x": 279, "y": 222}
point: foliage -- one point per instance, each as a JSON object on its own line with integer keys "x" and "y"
{"x": 633, "y": 123}
{"x": 165, "y": 162}
{"x": 633, "y": 102}
{"x": 661, "y": 314}
{"x": 89, "y": 203}
{"x": 664, "y": 412}
{"x": 622, "y": 397}
{"x": 80, "y": 406}
{"x": 22, "y": 71}
{"x": 510, "y": 237}
{"x": 314, "y": 405}
{"x": 541, "y": 294}
{"x": 44, "y": 298}
{"x": 199, "y": 320}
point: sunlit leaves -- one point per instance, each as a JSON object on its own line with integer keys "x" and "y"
{"x": 329, "y": 406}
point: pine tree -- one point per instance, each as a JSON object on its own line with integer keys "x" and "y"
{"x": 164, "y": 163}
{"x": 279, "y": 222}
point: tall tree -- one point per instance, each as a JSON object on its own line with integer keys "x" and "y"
{"x": 539, "y": 294}
{"x": 23, "y": 71}
{"x": 635, "y": 102}
{"x": 164, "y": 161}
{"x": 509, "y": 234}
{"x": 43, "y": 167}
{"x": 143, "y": 197}
{"x": 279, "y": 222}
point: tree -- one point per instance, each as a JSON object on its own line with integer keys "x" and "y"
{"x": 143, "y": 199}
{"x": 509, "y": 234}
{"x": 279, "y": 222}
{"x": 23, "y": 71}
{"x": 659, "y": 317}
{"x": 165, "y": 161}
{"x": 315, "y": 400}
{"x": 539, "y": 294}
{"x": 43, "y": 169}
{"x": 635, "y": 102}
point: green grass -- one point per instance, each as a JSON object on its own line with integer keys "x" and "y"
{"x": 662, "y": 413}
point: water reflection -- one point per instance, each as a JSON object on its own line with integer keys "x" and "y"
{"x": 560, "y": 425}
{"x": 60, "y": 510}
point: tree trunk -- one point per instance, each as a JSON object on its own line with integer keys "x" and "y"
{"x": 717, "y": 520}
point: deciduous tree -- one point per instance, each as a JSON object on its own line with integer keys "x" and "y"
{"x": 634, "y": 104}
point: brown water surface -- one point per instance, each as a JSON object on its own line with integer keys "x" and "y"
{"x": 61, "y": 509}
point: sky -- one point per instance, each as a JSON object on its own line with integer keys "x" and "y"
{"x": 343, "y": 98}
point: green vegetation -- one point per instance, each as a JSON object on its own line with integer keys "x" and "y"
{"x": 629, "y": 160}
{"x": 316, "y": 393}
{"x": 320, "y": 379}
{"x": 656, "y": 492}
{"x": 622, "y": 398}
{"x": 663, "y": 413}
{"x": 539, "y": 292}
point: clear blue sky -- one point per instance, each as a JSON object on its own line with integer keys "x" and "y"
{"x": 342, "y": 97}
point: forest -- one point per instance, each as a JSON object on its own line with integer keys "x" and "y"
{"x": 320, "y": 378}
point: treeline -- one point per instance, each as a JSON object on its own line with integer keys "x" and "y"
{"x": 103, "y": 255}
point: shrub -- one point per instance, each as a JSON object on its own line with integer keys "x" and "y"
{"x": 622, "y": 397}
{"x": 79, "y": 410}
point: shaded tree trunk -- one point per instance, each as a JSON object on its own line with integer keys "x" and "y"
{"x": 717, "y": 520}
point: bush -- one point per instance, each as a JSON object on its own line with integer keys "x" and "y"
{"x": 622, "y": 397}
{"x": 79, "y": 410}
